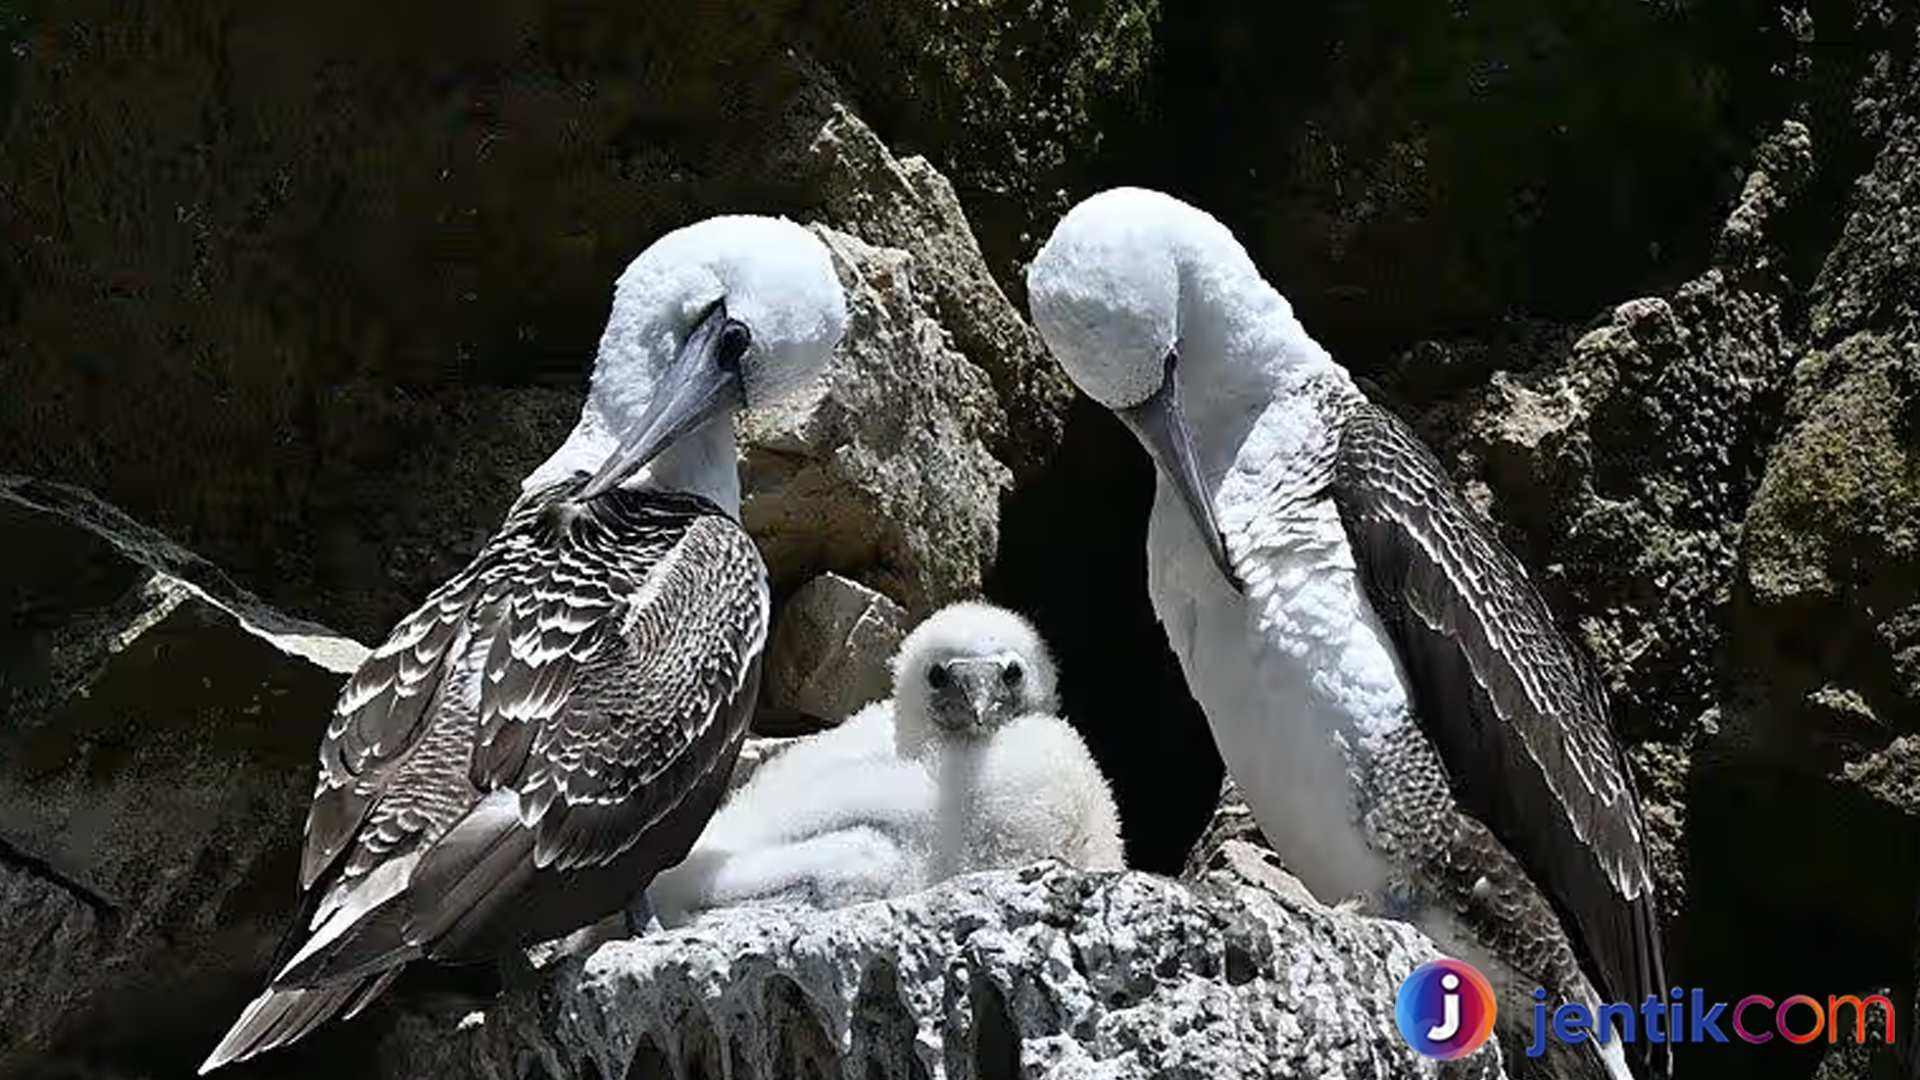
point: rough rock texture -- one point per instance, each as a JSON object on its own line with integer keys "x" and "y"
{"x": 312, "y": 286}
{"x": 1036, "y": 972}
{"x": 1021, "y": 102}
{"x": 906, "y": 204}
{"x": 155, "y": 766}
{"x": 1823, "y": 709}
{"x": 1232, "y": 843}
{"x": 1407, "y": 170}
{"x": 1833, "y": 536}
{"x": 1620, "y": 475}
{"x": 882, "y": 471}
{"x": 352, "y": 263}
{"x": 1232, "y": 823}
{"x": 830, "y": 652}
{"x": 1711, "y": 486}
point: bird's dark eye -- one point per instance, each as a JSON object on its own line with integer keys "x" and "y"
{"x": 1013, "y": 674}
{"x": 939, "y": 677}
{"x": 735, "y": 339}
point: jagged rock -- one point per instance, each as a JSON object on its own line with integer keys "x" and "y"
{"x": 1037, "y": 972}
{"x": 832, "y": 643}
{"x": 1823, "y": 668}
{"x": 1017, "y": 102}
{"x": 155, "y": 768}
{"x": 1620, "y": 474}
{"x": 1420, "y": 168}
{"x": 1232, "y": 843}
{"x": 357, "y": 335}
{"x": 1833, "y": 536}
{"x": 906, "y": 204}
{"x": 1833, "y": 549}
{"x": 882, "y": 471}
{"x": 1232, "y": 823}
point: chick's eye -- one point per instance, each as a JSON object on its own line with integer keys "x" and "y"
{"x": 939, "y": 677}
{"x": 1012, "y": 675}
{"x": 735, "y": 340}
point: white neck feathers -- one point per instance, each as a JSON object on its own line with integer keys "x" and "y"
{"x": 1239, "y": 339}
{"x": 704, "y": 462}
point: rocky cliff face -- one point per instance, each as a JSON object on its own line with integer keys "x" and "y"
{"x": 155, "y": 766}
{"x": 308, "y": 289}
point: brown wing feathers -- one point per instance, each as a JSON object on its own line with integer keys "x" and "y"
{"x": 1515, "y": 710}
{"x": 587, "y": 677}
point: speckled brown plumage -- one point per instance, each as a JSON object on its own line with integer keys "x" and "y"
{"x": 545, "y": 732}
{"x": 1516, "y": 714}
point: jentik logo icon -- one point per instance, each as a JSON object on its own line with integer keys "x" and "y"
{"x": 1445, "y": 1009}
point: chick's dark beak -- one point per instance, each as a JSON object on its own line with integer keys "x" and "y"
{"x": 702, "y": 383}
{"x": 1159, "y": 426}
{"x": 979, "y": 683}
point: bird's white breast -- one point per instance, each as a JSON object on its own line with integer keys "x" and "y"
{"x": 1031, "y": 791}
{"x": 1295, "y": 676}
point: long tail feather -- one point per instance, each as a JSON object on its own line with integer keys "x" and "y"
{"x": 370, "y": 989}
{"x": 279, "y": 1017}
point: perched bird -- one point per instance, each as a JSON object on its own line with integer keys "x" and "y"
{"x": 556, "y": 723}
{"x": 1387, "y": 688}
{"x": 965, "y": 769}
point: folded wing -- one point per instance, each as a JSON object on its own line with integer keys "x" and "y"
{"x": 542, "y": 735}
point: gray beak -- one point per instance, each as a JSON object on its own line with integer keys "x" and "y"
{"x": 978, "y": 682}
{"x": 702, "y": 383}
{"x": 1157, "y": 423}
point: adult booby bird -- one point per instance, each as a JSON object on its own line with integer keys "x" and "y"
{"x": 555, "y": 723}
{"x": 1385, "y": 685}
{"x": 966, "y": 768}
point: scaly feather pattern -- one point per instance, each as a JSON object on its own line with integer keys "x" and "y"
{"x": 544, "y": 733}
{"x": 1514, "y": 709}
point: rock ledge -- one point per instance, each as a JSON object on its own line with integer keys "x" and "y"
{"x": 1039, "y": 972}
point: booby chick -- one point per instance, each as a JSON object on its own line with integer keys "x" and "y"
{"x": 966, "y": 768}
{"x": 1385, "y": 685}
{"x": 556, "y": 723}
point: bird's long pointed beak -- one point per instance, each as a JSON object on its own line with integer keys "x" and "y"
{"x": 1157, "y": 423}
{"x": 697, "y": 388}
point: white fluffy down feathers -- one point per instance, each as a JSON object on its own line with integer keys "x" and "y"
{"x": 889, "y": 803}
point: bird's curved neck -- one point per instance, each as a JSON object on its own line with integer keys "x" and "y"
{"x": 703, "y": 462}
{"x": 1241, "y": 348}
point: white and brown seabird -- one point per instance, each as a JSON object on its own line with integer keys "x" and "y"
{"x": 556, "y": 723}
{"x": 1387, "y": 688}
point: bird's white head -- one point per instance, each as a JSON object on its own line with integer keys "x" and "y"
{"x": 968, "y": 670}
{"x": 1146, "y": 302}
{"x": 728, "y": 313}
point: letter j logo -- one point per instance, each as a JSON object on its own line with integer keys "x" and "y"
{"x": 1445, "y": 1009}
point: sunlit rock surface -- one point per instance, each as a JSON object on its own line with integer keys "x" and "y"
{"x": 1035, "y": 972}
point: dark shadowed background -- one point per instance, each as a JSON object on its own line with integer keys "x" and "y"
{"x": 308, "y": 288}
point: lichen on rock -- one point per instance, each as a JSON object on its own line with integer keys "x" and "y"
{"x": 1620, "y": 472}
{"x": 1831, "y": 553}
